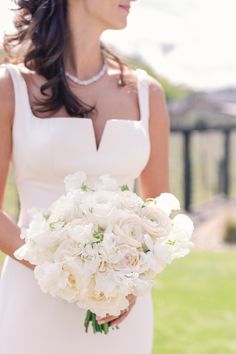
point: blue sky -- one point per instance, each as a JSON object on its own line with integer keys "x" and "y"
{"x": 189, "y": 42}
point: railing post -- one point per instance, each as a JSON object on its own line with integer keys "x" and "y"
{"x": 187, "y": 170}
{"x": 226, "y": 172}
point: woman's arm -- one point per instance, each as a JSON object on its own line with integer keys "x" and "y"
{"x": 154, "y": 179}
{"x": 9, "y": 231}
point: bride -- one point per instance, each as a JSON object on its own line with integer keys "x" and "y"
{"x": 69, "y": 103}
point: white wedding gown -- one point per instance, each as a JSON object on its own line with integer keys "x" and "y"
{"x": 44, "y": 152}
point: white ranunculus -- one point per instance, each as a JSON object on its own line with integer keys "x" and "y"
{"x": 125, "y": 258}
{"x": 129, "y": 229}
{"x": 130, "y": 201}
{"x": 167, "y": 202}
{"x": 100, "y": 208}
{"x": 163, "y": 252}
{"x": 75, "y": 181}
{"x": 179, "y": 240}
{"x": 182, "y": 227}
{"x": 155, "y": 221}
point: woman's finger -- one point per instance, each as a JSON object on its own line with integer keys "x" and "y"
{"x": 131, "y": 298}
{"x": 118, "y": 320}
{"x": 109, "y": 318}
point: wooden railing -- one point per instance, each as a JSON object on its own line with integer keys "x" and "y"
{"x": 187, "y": 134}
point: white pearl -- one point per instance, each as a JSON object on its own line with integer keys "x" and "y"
{"x": 89, "y": 81}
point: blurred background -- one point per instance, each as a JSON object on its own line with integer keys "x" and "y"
{"x": 189, "y": 46}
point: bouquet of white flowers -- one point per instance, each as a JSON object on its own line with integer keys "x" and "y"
{"x": 98, "y": 243}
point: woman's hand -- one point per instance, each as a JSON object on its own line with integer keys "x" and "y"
{"x": 116, "y": 320}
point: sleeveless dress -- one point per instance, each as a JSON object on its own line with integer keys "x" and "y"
{"x": 44, "y": 152}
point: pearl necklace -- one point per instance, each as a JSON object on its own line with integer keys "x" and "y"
{"x": 89, "y": 81}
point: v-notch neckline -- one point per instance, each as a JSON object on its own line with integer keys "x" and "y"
{"x": 98, "y": 145}
{"x": 104, "y": 131}
{"x": 108, "y": 121}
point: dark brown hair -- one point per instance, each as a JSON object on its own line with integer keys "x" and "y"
{"x": 39, "y": 42}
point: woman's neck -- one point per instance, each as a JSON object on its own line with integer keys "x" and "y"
{"x": 83, "y": 56}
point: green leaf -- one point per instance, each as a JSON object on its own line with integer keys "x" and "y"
{"x": 84, "y": 187}
{"x": 98, "y": 235}
{"x": 171, "y": 242}
{"x": 52, "y": 226}
{"x": 124, "y": 187}
{"x": 87, "y": 320}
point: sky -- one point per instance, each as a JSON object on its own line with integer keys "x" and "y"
{"x": 189, "y": 42}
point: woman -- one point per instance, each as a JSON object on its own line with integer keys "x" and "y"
{"x": 67, "y": 104}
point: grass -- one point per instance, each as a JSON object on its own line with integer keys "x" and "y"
{"x": 195, "y": 305}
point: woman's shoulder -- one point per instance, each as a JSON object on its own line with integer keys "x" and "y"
{"x": 6, "y": 94}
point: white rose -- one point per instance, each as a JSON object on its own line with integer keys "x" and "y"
{"x": 155, "y": 221}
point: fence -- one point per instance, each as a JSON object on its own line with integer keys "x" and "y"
{"x": 224, "y": 175}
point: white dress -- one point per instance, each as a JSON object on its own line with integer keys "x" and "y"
{"x": 44, "y": 152}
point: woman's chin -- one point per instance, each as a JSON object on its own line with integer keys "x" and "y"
{"x": 119, "y": 25}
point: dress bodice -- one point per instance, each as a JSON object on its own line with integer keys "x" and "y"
{"x": 45, "y": 150}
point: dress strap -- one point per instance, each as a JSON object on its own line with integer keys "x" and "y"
{"x": 143, "y": 95}
{"x": 20, "y": 89}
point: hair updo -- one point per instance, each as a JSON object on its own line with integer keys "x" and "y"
{"x": 39, "y": 42}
